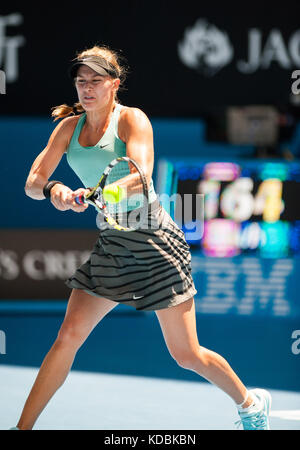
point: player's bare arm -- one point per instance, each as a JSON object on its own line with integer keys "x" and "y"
{"x": 62, "y": 197}
{"x": 136, "y": 131}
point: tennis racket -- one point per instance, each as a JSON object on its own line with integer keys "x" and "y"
{"x": 121, "y": 195}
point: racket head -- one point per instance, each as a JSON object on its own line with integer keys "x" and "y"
{"x": 128, "y": 211}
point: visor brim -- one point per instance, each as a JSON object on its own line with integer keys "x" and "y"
{"x": 92, "y": 65}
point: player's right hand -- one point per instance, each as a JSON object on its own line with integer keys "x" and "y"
{"x": 62, "y": 198}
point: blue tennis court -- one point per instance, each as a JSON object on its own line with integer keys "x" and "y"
{"x": 124, "y": 366}
{"x": 97, "y": 401}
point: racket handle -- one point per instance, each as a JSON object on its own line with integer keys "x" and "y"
{"x": 80, "y": 200}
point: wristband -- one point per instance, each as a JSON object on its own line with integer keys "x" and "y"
{"x": 48, "y": 186}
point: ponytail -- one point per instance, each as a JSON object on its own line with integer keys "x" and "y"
{"x": 61, "y": 111}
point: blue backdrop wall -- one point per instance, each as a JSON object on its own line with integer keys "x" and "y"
{"x": 260, "y": 334}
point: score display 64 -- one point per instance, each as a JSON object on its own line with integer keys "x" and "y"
{"x": 245, "y": 207}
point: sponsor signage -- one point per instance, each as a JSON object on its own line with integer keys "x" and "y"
{"x": 207, "y": 49}
{"x": 182, "y": 60}
{"x": 35, "y": 263}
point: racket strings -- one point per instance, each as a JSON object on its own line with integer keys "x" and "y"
{"x": 128, "y": 179}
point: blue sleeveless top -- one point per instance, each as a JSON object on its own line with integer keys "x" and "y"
{"x": 89, "y": 162}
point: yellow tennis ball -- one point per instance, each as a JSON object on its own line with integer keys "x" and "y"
{"x": 113, "y": 194}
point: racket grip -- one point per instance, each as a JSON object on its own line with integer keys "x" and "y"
{"x": 80, "y": 199}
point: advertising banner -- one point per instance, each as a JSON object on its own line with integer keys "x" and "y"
{"x": 183, "y": 58}
{"x": 34, "y": 264}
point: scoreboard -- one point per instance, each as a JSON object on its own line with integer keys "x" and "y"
{"x": 248, "y": 206}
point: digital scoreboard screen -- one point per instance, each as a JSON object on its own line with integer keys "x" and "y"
{"x": 248, "y": 207}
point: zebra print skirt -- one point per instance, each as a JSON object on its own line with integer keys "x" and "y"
{"x": 149, "y": 268}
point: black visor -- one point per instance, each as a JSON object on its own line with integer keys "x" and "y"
{"x": 96, "y": 63}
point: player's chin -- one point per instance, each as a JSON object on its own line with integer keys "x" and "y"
{"x": 89, "y": 105}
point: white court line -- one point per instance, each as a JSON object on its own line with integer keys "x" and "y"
{"x": 287, "y": 414}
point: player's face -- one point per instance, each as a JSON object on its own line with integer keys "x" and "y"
{"x": 94, "y": 90}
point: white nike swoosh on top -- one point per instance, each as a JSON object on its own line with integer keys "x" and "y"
{"x": 135, "y": 298}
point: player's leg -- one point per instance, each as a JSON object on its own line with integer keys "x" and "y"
{"x": 83, "y": 313}
{"x": 178, "y": 326}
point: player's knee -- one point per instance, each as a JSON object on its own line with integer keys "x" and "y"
{"x": 187, "y": 359}
{"x": 70, "y": 334}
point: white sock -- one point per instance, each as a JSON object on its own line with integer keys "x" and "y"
{"x": 248, "y": 409}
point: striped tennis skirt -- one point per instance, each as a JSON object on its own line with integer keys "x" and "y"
{"x": 149, "y": 268}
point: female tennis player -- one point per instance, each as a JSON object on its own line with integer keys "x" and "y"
{"x": 92, "y": 133}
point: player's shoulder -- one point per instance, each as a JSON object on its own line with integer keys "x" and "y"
{"x": 68, "y": 123}
{"x": 65, "y": 128}
{"x": 131, "y": 115}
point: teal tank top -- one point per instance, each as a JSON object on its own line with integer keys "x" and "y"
{"x": 89, "y": 162}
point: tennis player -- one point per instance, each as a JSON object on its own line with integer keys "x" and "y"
{"x": 152, "y": 267}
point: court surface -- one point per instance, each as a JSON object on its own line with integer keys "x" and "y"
{"x": 97, "y": 401}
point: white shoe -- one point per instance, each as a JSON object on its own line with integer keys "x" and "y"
{"x": 258, "y": 416}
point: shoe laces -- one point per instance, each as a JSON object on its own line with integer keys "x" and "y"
{"x": 255, "y": 421}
